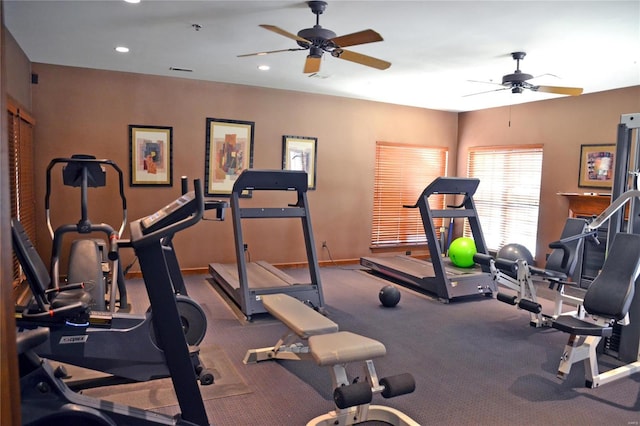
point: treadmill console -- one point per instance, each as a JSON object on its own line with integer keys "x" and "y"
{"x": 171, "y": 213}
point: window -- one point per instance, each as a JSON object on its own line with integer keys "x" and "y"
{"x": 401, "y": 174}
{"x": 20, "y": 134}
{"x": 508, "y": 197}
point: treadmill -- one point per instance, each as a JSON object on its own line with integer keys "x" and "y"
{"x": 438, "y": 275}
{"x": 246, "y": 282}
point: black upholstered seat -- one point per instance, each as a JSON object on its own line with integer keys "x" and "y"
{"x": 71, "y": 299}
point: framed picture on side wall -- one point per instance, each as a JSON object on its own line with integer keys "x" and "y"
{"x": 150, "y": 155}
{"x": 229, "y": 151}
{"x": 596, "y": 165}
{"x": 299, "y": 153}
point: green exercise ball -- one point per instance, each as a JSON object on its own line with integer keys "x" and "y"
{"x": 461, "y": 252}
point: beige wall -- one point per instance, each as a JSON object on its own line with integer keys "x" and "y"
{"x": 88, "y": 111}
{"x": 562, "y": 125}
{"x": 17, "y": 71}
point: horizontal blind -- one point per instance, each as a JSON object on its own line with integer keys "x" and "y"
{"x": 20, "y": 125}
{"x": 508, "y": 197}
{"x": 401, "y": 174}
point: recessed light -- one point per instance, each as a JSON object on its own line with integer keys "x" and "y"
{"x": 264, "y": 67}
{"x": 132, "y": 1}
{"x": 122, "y": 49}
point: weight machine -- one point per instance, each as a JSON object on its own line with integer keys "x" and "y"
{"x": 625, "y": 341}
{"x": 516, "y": 275}
{"x": 610, "y": 302}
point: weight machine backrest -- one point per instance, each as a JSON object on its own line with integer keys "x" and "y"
{"x": 611, "y": 293}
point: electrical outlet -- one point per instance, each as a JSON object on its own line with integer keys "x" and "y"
{"x": 246, "y": 247}
{"x": 324, "y": 244}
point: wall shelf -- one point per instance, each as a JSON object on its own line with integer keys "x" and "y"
{"x": 586, "y": 205}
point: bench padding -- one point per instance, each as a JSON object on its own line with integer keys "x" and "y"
{"x": 297, "y": 316}
{"x": 344, "y": 347}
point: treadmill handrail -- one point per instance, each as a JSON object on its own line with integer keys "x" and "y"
{"x": 271, "y": 180}
{"x": 449, "y": 185}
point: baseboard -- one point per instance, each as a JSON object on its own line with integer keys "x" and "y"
{"x": 287, "y": 265}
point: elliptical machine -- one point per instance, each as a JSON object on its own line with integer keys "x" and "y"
{"x": 88, "y": 263}
{"x": 46, "y": 400}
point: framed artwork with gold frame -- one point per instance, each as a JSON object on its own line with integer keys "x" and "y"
{"x": 229, "y": 151}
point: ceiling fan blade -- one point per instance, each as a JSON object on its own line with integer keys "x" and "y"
{"x": 571, "y": 91}
{"x": 361, "y": 37}
{"x": 484, "y": 82}
{"x": 268, "y": 52}
{"x": 312, "y": 64}
{"x": 361, "y": 59}
{"x": 488, "y": 91}
{"x": 284, "y": 33}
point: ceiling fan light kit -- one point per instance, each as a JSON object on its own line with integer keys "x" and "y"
{"x": 318, "y": 40}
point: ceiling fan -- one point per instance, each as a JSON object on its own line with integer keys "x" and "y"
{"x": 519, "y": 81}
{"x": 318, "y": 40}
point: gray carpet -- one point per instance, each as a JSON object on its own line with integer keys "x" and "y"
{"x": 159, "y": 393}
{"x": 475, "y": 362}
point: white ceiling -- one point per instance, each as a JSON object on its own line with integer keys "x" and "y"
{"x": 435, "y": 47}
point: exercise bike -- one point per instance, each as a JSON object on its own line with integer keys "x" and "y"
{"x": 88, "y": 262}
{"x": 121, "y": 344}
{"x": 46, "y": 400}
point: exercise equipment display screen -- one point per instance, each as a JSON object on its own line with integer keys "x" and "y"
{"x": 172, "y": 212}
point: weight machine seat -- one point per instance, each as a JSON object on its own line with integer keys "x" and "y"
{"x": 572, "y": 325}
{"x": 344, "y": 347}
{"x": 609, "y": 296}
{"x": 71, "y": 299}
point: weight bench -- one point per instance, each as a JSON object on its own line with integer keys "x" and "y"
{"x": 312, "y": 336}
{"x": 607, "y": 301}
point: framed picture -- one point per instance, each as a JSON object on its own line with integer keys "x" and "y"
{"x": 150, "y": 155}
{"x": 596, "y": 166}
{"x": 299, "y": 153}
{"x": 229, "y": 151}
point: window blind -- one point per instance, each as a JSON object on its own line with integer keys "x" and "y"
{"x": 401, "y": 174}
{"x": 508, "y": 197}
{"x": 21, "y": 169}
